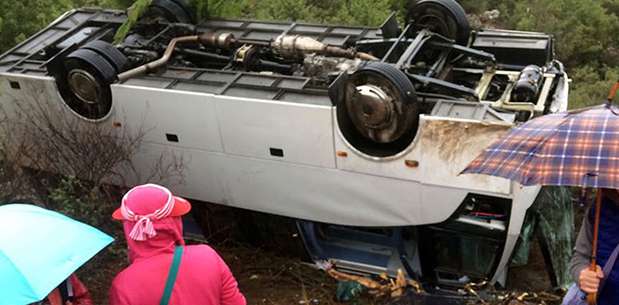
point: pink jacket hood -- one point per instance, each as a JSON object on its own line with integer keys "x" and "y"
{"x": 203, "y": 277}
{"x": 169, "y": 235}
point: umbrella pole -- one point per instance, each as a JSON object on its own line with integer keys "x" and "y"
{"x": 592, "y": 297}
{"x": 612, "y": 93}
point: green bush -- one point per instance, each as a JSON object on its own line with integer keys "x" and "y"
{"x": 21, "y": 19}
{"x": 590, "y": 85}
{"x": 359, "y": 12}
{"x": 81, "y": 201}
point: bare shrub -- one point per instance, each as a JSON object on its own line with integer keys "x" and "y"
{"x": 44, "y": 147}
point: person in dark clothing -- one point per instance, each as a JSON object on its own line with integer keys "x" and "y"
{"x": 589, "y": 280}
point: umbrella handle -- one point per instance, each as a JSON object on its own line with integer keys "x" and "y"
{"x": 613, "y": 92}
{"x": 592, "y": 297}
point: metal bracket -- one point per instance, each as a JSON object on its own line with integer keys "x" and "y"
{"x": 429, "y": 81}
{"x": 390, "y": 28}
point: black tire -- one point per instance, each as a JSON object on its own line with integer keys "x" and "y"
{"x": 111, "y": 54}
{"x": 90, "y": 58}
{"x": 190, "y": 11}
{"x": 407, "y": 90}
{"x": 85, "y": 83}
{"x": 175, "y": 11}
{"x": 444, "y": 17}
{"x": 395, "y": 126}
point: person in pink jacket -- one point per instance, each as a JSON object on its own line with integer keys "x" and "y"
{"x": 151, "y": 218}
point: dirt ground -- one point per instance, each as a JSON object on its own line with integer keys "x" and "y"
{"x": 271, "y": 271}
{"x": 264, "y": 278}
{"x": 269, "y": 278}
{"x": 273, "y": 279}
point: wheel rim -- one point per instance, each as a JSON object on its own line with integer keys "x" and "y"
{"x": 437, "y": 25}
{"x": 85, "y": 86}
{"x": 376, "y": 108}
{"x": 372, "y": 106}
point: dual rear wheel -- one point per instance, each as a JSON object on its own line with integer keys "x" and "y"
{"x": 85, "y": 82}
{"x": 87, "y": 73}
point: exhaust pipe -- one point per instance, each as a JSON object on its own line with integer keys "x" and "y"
{"x": 154, "y": 65}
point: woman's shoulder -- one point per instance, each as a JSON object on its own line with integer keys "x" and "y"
{"x": 203, "y": 255}
{"x": 201, "y": 249}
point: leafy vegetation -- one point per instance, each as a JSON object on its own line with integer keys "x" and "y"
{"x": 133, "y": 14}
{"x": 585, "y": 30}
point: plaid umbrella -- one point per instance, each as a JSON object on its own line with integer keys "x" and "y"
{"x": 578, "y": 148}
{"x": 575, "y": 148}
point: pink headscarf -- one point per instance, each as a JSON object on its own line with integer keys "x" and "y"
{"x": 147, "y": 197}
{"x": 143, "y": 227}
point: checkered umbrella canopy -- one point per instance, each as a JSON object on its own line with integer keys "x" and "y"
{"x": 577, "y": 148}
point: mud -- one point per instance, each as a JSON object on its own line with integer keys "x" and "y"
{"x": 455, "y": 139}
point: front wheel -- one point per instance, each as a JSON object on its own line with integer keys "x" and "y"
{"x": 379, "y": 115}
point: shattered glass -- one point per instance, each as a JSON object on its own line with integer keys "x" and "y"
{"x": 551, "y": 220}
